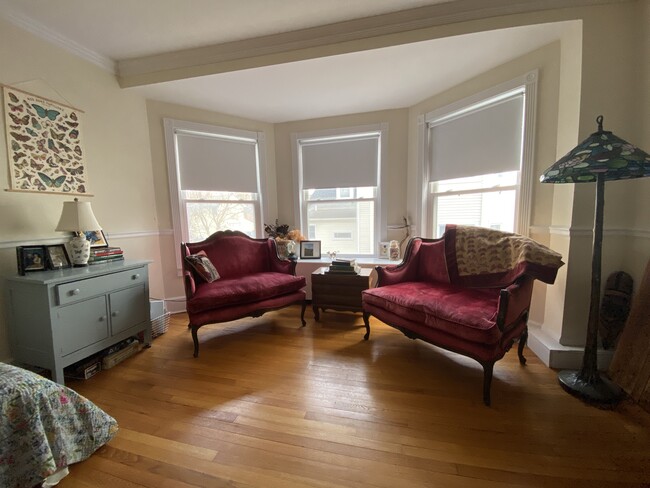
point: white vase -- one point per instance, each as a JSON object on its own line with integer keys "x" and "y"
{"x": 79, "y": 250}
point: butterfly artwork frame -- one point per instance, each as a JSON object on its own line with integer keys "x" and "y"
{"x": 44, "y": 144}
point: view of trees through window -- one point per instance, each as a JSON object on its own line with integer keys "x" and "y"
{"x": 208, "y": 212}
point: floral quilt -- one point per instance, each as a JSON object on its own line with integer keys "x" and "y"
{"x": 44, "y": 427}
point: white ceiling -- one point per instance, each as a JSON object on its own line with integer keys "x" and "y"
{"x": 392, "y": 77}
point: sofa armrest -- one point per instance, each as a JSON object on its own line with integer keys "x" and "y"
{"x": 188, "y": 278}
{"x": 278, "y": 265}
{"x": 514, "y": 301}
{"x": 405, "y": 271}
{"x": 189, "y": 283}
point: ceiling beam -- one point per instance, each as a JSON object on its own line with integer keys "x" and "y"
{"x": 327, "y": 40}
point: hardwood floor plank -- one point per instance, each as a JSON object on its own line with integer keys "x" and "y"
{"x": 271, "y": 404}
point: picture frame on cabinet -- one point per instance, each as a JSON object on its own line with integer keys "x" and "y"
{"x": 97, "y": 238}
{"x": 30, "y": 258}
{"x": 57, "y": 257}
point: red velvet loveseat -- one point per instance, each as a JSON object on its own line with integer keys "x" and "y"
{"x": 251, "y": 280}
{"x": 467, "y": 292}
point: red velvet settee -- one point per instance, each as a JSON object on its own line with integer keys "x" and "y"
{"x": 252, "y": 280}
{"x": 468, "y": 292}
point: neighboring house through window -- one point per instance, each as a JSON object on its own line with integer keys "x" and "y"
{"x": 214, "y": 180}
{"x": 477, "y": 160}
{"x": 338, "y": 176}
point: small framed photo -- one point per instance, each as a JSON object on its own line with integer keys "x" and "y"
{"x": 383, "y": 250}
{"x": 96, "y": 238}
{"x": 309, "y": 249}
{"x": 57, "y": 257}
{"x": 30, "y": 258}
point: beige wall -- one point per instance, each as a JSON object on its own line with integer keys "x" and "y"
{"x": 157, "y": 111}
{"x": 118, "y": 158}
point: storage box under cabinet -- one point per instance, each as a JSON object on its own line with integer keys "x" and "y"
{"x": 59, "y": 317}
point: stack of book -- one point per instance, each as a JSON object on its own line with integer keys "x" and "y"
{"x": 101, "y": 255}
{"x": 344, "y": 266}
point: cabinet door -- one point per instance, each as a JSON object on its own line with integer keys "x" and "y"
{"x": 127, "y": 308}
{"x": 82, "y": 324}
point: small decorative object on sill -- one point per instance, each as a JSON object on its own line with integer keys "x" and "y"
{"x": 332, "y": 254}
{"x": 291, "y": 249}
{"x": 393, "y": 251}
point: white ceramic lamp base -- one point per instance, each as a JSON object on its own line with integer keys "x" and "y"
{"x": 79, "y": 250}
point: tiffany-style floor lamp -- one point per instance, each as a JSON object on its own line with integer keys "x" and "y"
{"x": 599, "y": 158}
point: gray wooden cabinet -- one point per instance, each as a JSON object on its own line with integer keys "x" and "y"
{"x": 59, "y": 317}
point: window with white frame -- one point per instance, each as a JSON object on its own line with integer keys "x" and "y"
{"x": 338, "y": 180}
{"x": 214, "y": 179}
{"x": 478, "y": 164}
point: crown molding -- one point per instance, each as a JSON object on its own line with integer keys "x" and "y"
{"x": 331, "y": 39}
{"x": 47, "y": 34}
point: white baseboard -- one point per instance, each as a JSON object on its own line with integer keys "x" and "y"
{"x": 175, "y": 304}
{"x": 555, "y": 355}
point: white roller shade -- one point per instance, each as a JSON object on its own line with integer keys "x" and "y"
{"x": 483, "y": 141}
{"x": 216, "y": 164}
{"x": 340, "y": 163}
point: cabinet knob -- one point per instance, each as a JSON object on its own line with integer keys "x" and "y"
{"x": 76, "y": 291}
{"x": 136, "y": 276}
{"x": 116, "y": 313}
{"x": 102, "y": 318}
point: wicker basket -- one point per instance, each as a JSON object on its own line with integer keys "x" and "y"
{"x": 160, "y": 325}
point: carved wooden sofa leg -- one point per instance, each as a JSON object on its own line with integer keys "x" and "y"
{"x": 302, "y": 312}
{"x": 195, "y": 338}
{"x": 366, "y": 321}
{"x": 488, "y": 368}
{"x": 522, "y": 343}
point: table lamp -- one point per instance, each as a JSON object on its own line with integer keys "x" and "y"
{"x": 78, "y": 217}
{"x": 599, "y": 158}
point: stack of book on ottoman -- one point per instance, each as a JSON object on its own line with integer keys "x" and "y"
{"x": 344, "y": 266}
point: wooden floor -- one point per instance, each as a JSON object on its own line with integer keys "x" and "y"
{"x": 270, "y": 404}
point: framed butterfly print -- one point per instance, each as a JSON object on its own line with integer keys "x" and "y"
{"x": 45, "y": 144}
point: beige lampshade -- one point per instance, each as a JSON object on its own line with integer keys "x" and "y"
{"x": 77, "y": 217}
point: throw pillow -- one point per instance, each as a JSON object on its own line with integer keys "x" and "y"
{"x": 203, "y": 266}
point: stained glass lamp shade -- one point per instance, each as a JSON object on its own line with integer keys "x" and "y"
{"x": 599, "y": 158}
